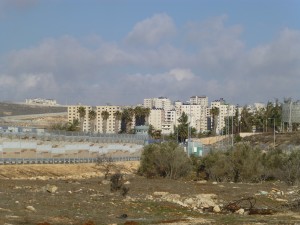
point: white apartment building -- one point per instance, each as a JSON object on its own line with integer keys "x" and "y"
{"x": 157, "y": 118}
{"x": 197, "y": 116}
{"x": 170, "y": 120}
{"x": 73, "y": 114}
{"x": 199, "y": 100}
{"x": 112, "y": 126}
{"x": 225, "y": 111}
{"x": 159, "y": 103}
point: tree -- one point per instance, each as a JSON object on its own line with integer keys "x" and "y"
{"x": 139, "y": 116}
{"x": 82, "y": 112}
{"x": 246, "y": 120}
{"x": 214, "y": 112}
{"x": 127, "y": 117}
{"x": 92, "y": 118}
{"x": 146, "y": 112}
{"x": 238, "y": 164}
{"x": 182, "y": 128}
{"x": 118, "y": 117}
{"x": 74, "y": 126}
{"x": 153, "y": 133}
{"x": 166, "y": 159}
{"x": 105, "y": 116}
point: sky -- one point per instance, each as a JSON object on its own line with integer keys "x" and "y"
{"x": 118, "y": 52}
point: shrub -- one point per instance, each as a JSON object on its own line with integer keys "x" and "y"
{"x": 117, "y": 184}
{"x": 240, "y": 163}
{"x": 106, "y": 165}
{"x": 166, "y": 159}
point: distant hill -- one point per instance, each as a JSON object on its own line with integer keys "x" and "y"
{"x": 13, "y": 109}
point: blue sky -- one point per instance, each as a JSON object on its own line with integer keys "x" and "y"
{"x": 122, "y": 51}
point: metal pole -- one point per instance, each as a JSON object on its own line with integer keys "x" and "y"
{"x": 274, "y": 132}
{"x": 232, "y": 131}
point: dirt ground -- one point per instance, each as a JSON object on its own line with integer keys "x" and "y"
{"x": 78, "y": 194}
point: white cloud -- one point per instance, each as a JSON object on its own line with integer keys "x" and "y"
{"x": 152, "y": 30}
{"x": 215, "y": 63}
{"x": 181, "y": 74}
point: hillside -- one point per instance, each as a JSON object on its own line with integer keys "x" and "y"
{"x": 285, "y": 141}
{"x": 13, "y": 109}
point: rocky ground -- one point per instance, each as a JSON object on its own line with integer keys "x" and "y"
{"x": 79, "y": 194}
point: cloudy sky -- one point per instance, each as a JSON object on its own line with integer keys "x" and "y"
{"x": 122, "y": 51}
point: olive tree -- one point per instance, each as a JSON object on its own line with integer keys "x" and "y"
{"x": 166, "y": 159}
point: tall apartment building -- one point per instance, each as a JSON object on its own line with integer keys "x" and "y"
{"x": 225, "y": 111}
{"x": 170, "y": 120}
{"x": 197, "y": 116}
{"x": 159, "y": 103}
{"x": 199, "y": 100}
{"x": 111, "y": 124}
{"x": 73, "y": 114}
{"x": 157, "y": 118}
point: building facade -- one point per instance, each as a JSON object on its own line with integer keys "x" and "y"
{"x": 109, "y": 125}
{"x": 73, "y": 114}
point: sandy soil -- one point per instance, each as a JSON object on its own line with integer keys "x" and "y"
{"x": 81, "y": 196}
{"x": 59, "y": 171}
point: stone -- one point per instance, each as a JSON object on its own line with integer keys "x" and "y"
{"x": 160, "y": 193}
{"x": 105, "y": 182}
{"x": 214, "y": 182}
{"x": 241, "y": 211}
{"x": 262, "y": 193}
{"x": 206, "y": 200}
{"x": 51, "y": 188}
{"x": 217, "y": 209}
{"x": 127, "y": 182}
{"x": 189, "y": 201}
{"x": 31, "y": 208}
{"x": 202, "y": 182}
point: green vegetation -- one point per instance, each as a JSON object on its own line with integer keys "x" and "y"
{"x": 92, "y": 118}
{"x": 66, "y": 126}
{"x": 245, "y": 163}
{"x": 166, "y": 159}
{"x": 82, "y": 113}
{"x": 241, "y": 163}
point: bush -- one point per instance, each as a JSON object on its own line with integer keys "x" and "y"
{"x": 240, "y": 163}
{"x": 166, "y": 159}
{"x": 106, "y": 165}
{"x": 117, "y": 184}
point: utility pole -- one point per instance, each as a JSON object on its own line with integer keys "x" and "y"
{"x": 274, "y": 136}
{"x": 232, "y": 129}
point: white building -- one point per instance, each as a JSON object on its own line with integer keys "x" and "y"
{"x": 199, "y": 100}
{"x": 73, "y": 114}
{"x": 159, "y": 103}
{"x": 157, "y": 118}
{"x": 170, "y": 120}
{"x": 41, "y": 101}
{"x": 197, "y": 116}
{"x": 111, "y": 124}
{"x": 225, "y": 111}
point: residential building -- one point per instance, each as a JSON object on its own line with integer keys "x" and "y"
{"x": 197, "y": 116}
{"x": 199, "y": 100}
{"x": 73, "y": 114}
{"x": 159, "y": 103}
{"x": 110, "y": 125}
{"x": 157, "y": 118}
{"x": 225, "y": 111}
